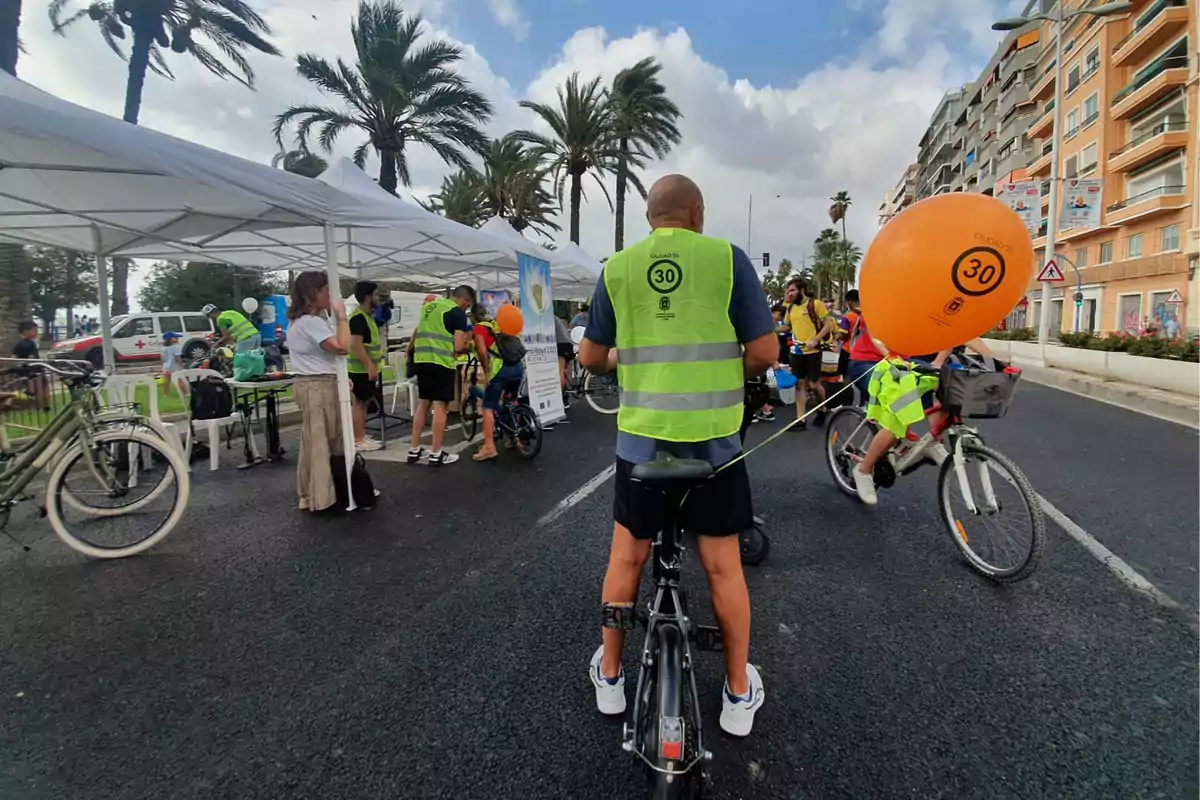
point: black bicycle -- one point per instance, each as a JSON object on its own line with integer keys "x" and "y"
{"x": 517, "y": 424}
{"x": 665, "y": 730}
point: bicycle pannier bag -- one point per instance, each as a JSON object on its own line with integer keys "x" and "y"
{"x": 977, "y": 390}
{"x": 211, "y": 398}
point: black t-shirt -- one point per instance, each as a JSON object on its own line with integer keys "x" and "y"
{"x": 359, "y": 327}
{"x": 456, "y": 320}
{"x": 25, "y": 348}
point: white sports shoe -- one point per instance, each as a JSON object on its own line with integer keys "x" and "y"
{"x": 737, "y": 713}
{"x": 610, "y": 697}
{"x": 865, "y": 484}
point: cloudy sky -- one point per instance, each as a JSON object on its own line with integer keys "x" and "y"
{"x": 784, "y": 100}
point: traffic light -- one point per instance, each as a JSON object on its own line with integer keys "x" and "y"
{"x": 1078, "y": 299}
{"x": 766, "y": 260}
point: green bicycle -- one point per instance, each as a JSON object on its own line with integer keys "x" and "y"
{"x": 104, "y": 466}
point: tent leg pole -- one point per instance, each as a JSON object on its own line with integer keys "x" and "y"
{"x": 343, "y": 375}
{"x": 106, "y": 340}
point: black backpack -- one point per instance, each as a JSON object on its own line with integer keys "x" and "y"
{"x": 361, "y": 484}
{"x": 510, "y": 348}
{"x": 211, "y": 398}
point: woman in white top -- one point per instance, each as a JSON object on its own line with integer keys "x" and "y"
{"x": 315, "y": 342}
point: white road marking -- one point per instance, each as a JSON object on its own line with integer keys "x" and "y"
{"x": 1127, "y": 574}
{"x": 576, "y": 496}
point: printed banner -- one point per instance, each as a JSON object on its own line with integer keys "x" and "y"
{"x": 492, "y": 299}
{"x": 1082, "y": 199}
{"x": 1025, "y": 199}
{"x": 541, "y": 341}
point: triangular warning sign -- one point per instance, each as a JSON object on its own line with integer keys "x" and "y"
{"x": 1175, "y": 297}
{"x": 1050, "y": 272}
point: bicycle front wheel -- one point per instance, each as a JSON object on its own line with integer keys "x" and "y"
{"x": 109, "y": 501}
{"x": 603, "y": 393}
{"x": 1005, "y": 549}
{"x": 468, "y": 416}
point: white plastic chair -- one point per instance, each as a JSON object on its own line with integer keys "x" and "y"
{"x": 182, "y": 382}
{"x": 122, "y": 390}
{"x": 404, "y": 383}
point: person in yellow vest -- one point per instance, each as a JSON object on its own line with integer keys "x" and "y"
{"x": 504, "y": 375}
{"x": 366, "y": 359}
{"x": 684, "y": 313}
{"x": 234, "y": 328}
{"x": 443, "y": 333}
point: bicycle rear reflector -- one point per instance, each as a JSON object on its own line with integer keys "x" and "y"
{"x": 671, "y": 738}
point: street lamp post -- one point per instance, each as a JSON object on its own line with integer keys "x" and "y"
{"x": 1058, "y": 17}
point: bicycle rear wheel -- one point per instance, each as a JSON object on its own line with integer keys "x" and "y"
{"x": 1002, "y": 557}
{"x": 469, "y": 413}
{"x": 847, "y": 435}
{"x": 100, "y": 492}
{"x": 527, "y": 431}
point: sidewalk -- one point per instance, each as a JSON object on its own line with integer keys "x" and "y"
{"x": 1170, "y": 406}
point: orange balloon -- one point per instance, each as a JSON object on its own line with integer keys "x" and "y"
{"x": 509, "y": 319}
{"x": 943, "y": 271}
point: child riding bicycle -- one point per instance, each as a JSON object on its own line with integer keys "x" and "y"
{"x": 893, "y": 407}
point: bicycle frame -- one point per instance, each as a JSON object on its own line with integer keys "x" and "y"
{"x": 30, "y": 459}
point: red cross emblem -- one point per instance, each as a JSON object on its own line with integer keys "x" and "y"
{"x": 139, "y": 344}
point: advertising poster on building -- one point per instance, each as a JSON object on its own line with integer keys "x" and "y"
{"x": 1025, "y": 200}
{"x": 492, "y": 299}
{"x": 541, "y": 343}
{"x": 1082, "y": 198}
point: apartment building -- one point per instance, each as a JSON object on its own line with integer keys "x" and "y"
{"x": 1129, "y": 106}
{"x": 1129, "y": 120}
{"x": 900, "y": 196}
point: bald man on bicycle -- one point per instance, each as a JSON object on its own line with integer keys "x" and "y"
{"x": 685, "y": 312}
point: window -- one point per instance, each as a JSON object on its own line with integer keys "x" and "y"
{"x": 197, "y": 323}
{"x": 1160, "y": 309}
{"x": 1169, "y": 180}
{"x": 1073, "y": 79}
{"x": 1092, "y": 62}
{"x": 1072, "y": 122}
{"x": 1105, "y": 252}
{"x": 1091, "y": 108}
{"x": 1170, "y": 238}
{"x": 1088, "y": 157}
{"x": 1135, "y": 246}
{"x": 1081, "y": 257}
{"x": 1129, "y": 309}
{"x": 136, "y": 326}
{"x": 1071, "y": 167}
{"x": 170, "y": 323}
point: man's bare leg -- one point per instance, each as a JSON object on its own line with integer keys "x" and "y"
{"x": 722, "y": 559}
{"x": 626, "y": 559}
{"x": 418, "y": 422}
{"x": 439, "y": 425}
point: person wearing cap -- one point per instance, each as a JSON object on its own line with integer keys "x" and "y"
{"x": 172, "y": 358}
{"x": 234, "y": 328}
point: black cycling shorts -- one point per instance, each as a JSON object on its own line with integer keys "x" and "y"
{"x": 721, "y": 506}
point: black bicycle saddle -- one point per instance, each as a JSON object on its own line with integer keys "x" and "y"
{"x": 667, "y": 470}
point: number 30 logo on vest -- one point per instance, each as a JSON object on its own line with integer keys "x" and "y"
{"x": 664, "y": 276}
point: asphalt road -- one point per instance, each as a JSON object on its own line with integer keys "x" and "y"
{"x": 437, "y": 646}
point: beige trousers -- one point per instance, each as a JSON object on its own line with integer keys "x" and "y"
{"x": 320, "y": 437}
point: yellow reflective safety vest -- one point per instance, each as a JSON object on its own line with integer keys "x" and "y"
{"x": 496, "y": 363}
{"x": 679, "y": 362}
{"x": 374, "y": 347}
{"x": 432, "y": 344}
{"x": 237, "y": 325}
{"x": 895, "y": 391}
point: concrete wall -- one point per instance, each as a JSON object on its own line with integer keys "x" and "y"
{"x": 1181, "y": 377}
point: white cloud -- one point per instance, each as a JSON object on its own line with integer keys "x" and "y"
{"x": 852, "y": 124}
{"x": 509, "y": 16}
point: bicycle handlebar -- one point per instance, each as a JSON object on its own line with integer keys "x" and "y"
{"x": 75, "y": 368}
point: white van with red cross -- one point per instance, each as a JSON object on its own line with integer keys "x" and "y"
{"x": 138, "y": 338}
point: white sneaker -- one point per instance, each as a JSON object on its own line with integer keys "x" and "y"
{"x": 865, "y": 484}
{"x": 368, "y": 445}
{"x": 937, "y": 453}
{"x": 737, "y": 713}
{"x": 610, "y": 697}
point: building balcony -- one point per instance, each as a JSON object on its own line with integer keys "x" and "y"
{"x": 1150, "y": 85}
{"x": 1144, "y": 204}
{"x": 1044, "y": 87}
{"x": 1154, "y": 28}
{"x": 1043, "y": 126}
{"x": 1156, "y": 142}
{"x": 1041, "y": 164}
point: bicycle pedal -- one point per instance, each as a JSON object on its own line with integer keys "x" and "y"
{"x": 619, "y": 616}
{"x": 708, "y": 637}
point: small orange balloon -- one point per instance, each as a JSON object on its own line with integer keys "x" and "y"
{"x": 943, "y": 271}
{"x": 509, "y": 319}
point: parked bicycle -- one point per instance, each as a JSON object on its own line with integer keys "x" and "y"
{"x": 517, "y": 423}
{"x": 849, "y": 432}
{"x": 665, "y": 731}
{"x": 119, "y": 456}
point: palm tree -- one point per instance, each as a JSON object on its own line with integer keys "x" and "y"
{"x": 837, "y": 213}
{"x": 229, "y": 26}
{"x": 644, "y": 119}
{"x": 10, "y": 42}
{"x": 581, "y": 141}
{"x": 300, "y": 162}
{"x": 398, "y": 91}
{"x": 513, "y": 186}
{"x": 460, "y": 199}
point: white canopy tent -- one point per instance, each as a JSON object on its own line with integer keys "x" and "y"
{"x": 75, "y": 178}
{"x": 573, "y": 273}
